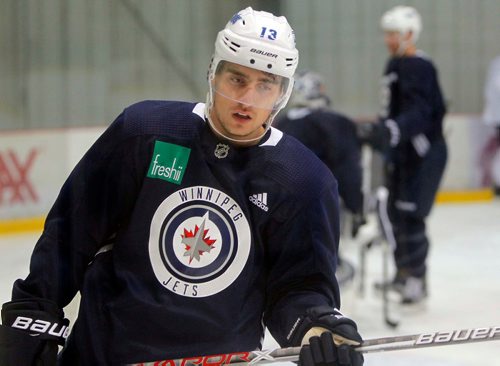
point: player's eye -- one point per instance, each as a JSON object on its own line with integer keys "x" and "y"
{"x": 265, "y": 87}
{"x": 237, "y": 80}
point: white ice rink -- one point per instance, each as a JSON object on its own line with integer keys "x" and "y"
{"x": 464, "y": 286}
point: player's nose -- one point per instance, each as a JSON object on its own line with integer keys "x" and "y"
{"x": 249, "y": 96}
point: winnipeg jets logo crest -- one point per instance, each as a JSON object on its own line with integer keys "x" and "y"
{"x": 199, "y": 241}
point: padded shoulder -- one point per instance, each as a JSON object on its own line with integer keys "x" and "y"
{"x": 183, "y": 119}
{"x": 296, "y": 167}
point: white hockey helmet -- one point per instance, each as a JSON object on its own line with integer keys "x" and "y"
{"x": 309, "y": 90}
{"x": 261, "y": 41}
{"x": 402, "y": 19}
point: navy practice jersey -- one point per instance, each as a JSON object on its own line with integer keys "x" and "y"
{"x": 332, "y": 137}
{"x": 182, "y": 245}
{"x": 412, "y": 97}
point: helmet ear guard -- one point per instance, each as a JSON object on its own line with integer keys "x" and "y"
{"x": 261, "y": 41}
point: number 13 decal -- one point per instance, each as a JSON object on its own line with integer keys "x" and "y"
{"x": 270, "y": 33}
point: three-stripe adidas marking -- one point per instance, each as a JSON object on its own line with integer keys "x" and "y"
{"x": 260, "y": 200}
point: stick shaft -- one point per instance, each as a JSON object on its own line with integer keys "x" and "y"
{"x": 444, "y": 338}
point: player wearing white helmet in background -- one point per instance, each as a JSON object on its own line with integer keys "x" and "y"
{"x": 402, "y": 26}
{"x": 189, "y": 228}
{"x": 409, "y": 134}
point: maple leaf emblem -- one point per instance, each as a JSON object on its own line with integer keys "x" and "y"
{"x": 197, "y": 242}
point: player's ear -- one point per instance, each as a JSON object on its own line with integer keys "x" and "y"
{"x": 409, "y": 36}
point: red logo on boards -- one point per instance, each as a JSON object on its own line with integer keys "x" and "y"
{"x": 15, "y": 185}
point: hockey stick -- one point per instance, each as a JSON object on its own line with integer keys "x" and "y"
{"x": 414, "y": 341}
{"x": 385, "y": 238}
{"x": 388, "y": 249}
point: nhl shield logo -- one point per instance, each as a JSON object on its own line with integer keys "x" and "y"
{"x": 221, "y": 151}
{"x": 199, "y": 242}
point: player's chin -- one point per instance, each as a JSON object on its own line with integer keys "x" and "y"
{"x": 245, "y": 135}
{"x": 242, "y": 128}
{"x": 241, "y": 136}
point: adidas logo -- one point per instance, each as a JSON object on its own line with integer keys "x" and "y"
{"x": 260, "y": 200}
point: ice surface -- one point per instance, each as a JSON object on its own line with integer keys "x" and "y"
{"x": 464, "y": 285}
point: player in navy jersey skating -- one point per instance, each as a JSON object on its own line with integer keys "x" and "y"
{"x": 329, "y": 134}
{"x": 188, "y": 228}
{"x": 410, "y": 134}
{"x": 332, "y": 137}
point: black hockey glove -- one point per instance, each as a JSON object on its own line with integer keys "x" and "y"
{"x": 327, "y": 338}
{"x": 379, "y": 135}
{"x": 30, "y": 333}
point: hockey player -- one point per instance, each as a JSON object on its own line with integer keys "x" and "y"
{"x": 189, "y": 227}
{"x": 332, "y": 137}
{"x": 410, "y": 134}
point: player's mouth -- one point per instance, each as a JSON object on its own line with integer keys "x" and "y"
{"x": 241, "y": 116}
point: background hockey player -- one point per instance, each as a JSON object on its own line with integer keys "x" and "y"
{"x": 410, "y": 134}
{"x": 187, "y": 228}
{"x": 332, "y": 137}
